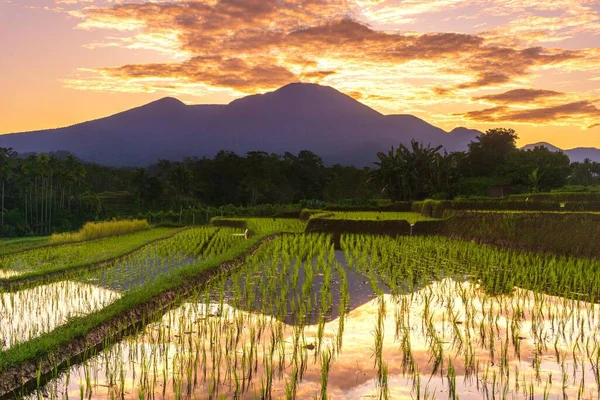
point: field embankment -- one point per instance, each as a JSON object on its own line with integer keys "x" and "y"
{"x": 17, "y": 245}
{"x": 261, "y": 225}
{"x": 44, "y": 276}
{"x": 570, "y": 233}
{"x": 575, "y": 234}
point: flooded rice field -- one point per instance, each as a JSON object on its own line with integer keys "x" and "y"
{"x": 406, "y": 318}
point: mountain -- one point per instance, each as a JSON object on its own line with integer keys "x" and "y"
{"x": 541, "y": 144}
{"x": 578, "y": 154}
{"x": 295, "y": 117}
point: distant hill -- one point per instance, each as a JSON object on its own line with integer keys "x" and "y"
{"x": 577, "y": 154}
{"x": 295, "y": 117}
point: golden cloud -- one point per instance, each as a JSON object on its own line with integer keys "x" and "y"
{"x": 246, "y": 46}
{"x": 578, "y": 110}
{"x": 520, "y": 96}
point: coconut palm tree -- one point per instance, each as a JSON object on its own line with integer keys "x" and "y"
{"x": 405, "y": 173}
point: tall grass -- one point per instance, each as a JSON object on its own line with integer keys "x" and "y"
{"x": 96, "y": 230}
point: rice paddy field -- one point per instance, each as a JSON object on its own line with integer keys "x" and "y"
{"x": 20, "y": 244}
{"x": 45, "y": 259}
{"x": 302, "y": 316}
{"x": 411, "y": 217}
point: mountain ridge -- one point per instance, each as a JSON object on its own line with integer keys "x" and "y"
{"x": 576, "y": 154}
{"x": 295, "y": 117}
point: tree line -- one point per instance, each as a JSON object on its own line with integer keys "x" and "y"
{"x": 492, "y": 160}
{"x": 43, "y": 193}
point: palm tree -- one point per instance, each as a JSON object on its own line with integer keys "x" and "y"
{"x": 141, "y": 180}
{"x": 7, "y": 156}
{"x": 75, "y": 174}
{"x": 405, "y": 173}
{"x": 389, "y": 174}
{"x": 535, "y": 177}
{"x": 424, "y": 162}
{"x": 180, "y": 180}
{"x": 583, "y": 172}
{"x": 445, "y": 170}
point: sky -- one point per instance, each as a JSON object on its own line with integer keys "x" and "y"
{"x": 533, "y": 66}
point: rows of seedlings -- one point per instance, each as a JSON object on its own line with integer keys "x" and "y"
{"x": 145, "y": 282}
{"x": 40, "y": 308}
{"x": 64, "y": 257}
{"x": 16, "y": 245}
{"x": 383, "y": 317}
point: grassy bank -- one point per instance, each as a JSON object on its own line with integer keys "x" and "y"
{"x": 411, "y": 217}
{"x": 261, "y": 226}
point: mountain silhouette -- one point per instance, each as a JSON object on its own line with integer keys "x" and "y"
{"x": 296, "y": 117}
{"x": 577, "y": 154}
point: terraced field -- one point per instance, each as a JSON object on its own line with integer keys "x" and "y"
{"x": 301, "y": 316}
{"x": 8, "y": 246}
{"x": 44, "y": 260}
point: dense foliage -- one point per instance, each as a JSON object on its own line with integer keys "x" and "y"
{"x": 46, "y": 193}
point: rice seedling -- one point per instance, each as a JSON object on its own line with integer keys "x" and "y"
{"x": 38, "y": 262}
{"x": 411, "y": 217}
{"x": 31, "y": 312}
{"x": 15, "y": 245}
{"x": 39, "y": 309}
{"x": 407, "y": 317}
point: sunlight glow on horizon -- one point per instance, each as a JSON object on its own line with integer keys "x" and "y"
{"x": 529, "y": 65}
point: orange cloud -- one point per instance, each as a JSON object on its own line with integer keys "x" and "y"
{"x": 247, "y": 46}
{"x": 520, "y": 96}
{"x": 221, "y": 38}
{"x": 569, "y": 111}
{"x": 215, "y": 71}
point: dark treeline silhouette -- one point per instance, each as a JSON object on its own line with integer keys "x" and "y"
{"x": 44, "y": 193}
{"x": 492, "y": 160}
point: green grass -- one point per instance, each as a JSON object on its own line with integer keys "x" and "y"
{"x": 263, "y": 226}
{"x": 8, "y": 246}
{"x": 41, "y": 261}
{"x": 375, "y": 216}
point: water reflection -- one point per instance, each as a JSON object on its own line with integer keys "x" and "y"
{"x": 31, "y": 312}
{"x": 292, "y": 282}
{"x": 525, "y": 345}
{"x": 301, "y": 320}
{"x": 189, "y": 247}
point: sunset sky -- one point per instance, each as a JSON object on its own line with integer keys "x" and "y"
{"x": 530, "y": 65}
